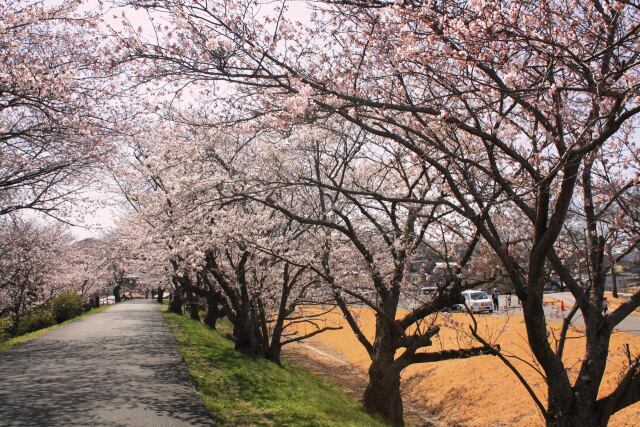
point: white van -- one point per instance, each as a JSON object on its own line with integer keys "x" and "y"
{"x": 478, "y": 301}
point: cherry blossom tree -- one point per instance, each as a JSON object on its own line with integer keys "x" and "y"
{"x": 56, "y": 104}
{"x": 257, "y": 225}
{"x": 131, "y": 260}
{"x": 386, "y": 206}
{"x": 30, "y": 267}
{"x": 82, "y": 265}
{"x": 213, "y": 246}
{"x": 523, "y": 106}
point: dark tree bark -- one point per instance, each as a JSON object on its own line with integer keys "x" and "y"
{"x": 17, "y": 314}
{"x": 614, "y": 275}
{"x": 382, "y": 394}
{"x": 275, "y": 348}
{"x": 240, "y": 308}
{"x": 193, "y": 303}
{"x": 160, "y": 295}
{"x": 246, "y": 334}
{"x": 175, "y": 305}
{"x": 116, "y": 293}
{"x": 214, "y": 312}
{"x": 194, "y": 307}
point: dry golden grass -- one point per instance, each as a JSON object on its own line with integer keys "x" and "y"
{"x": 555, "y": 302}
{"x": 615, "y": 303}
{"x": 482, "y": 391}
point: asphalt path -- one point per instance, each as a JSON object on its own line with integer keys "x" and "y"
{"x": 630, "y": 324}
{"x": 120, "y": 367}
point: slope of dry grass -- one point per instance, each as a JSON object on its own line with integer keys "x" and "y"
{"x": 482, "y": 391}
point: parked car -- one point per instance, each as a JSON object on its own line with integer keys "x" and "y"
{"x": 477, "y": 301}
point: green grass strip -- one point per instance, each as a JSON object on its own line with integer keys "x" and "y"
{"x": 240, "y": 390}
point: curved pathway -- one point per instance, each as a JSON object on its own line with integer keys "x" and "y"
{"x": 120, "y": 367}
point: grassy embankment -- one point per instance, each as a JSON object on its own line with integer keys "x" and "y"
{"x": 241, "y": 390}
{"x": 31, "y": 335}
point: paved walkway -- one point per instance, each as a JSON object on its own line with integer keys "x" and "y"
{"x": 120, "y": 367}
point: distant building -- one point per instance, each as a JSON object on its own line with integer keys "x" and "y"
{"x": 424, "y": 270}
{"x": 627, "y": 272}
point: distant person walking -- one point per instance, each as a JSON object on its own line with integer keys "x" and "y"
{"x": 509, "y": 299}
{"x": 496, "y": 302}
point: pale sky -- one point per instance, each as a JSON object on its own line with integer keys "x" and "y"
{"x": 101, "y": 211}
{"x": 97, "y": 223}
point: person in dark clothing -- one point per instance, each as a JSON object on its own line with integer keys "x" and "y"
{"x": 496, "y": 302}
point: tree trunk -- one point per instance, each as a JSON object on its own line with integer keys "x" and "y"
{"x": 275, "y": 348}
{"x": 96, "y": 300}
{"x": 382, "y": 395}
{"x": 614, "y": 282}
{"x": 578, "y": 416}
{"x": 213, "y": 312}
{"x": 116, "y": 294}
{"x": 246, "y": 339}
{"x": 17, "y": 316}
{"x": 192, "y": 303}
{"x": 194, "y": 309}
{"x": 274, "y": 353}
{"x": 246, "y": 334}
{"x": 211, "y": 318}
{"x": 175, "y": 305}
{"x": 160, "y": 296}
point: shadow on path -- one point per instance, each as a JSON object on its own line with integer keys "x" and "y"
{"x": 119, "y": 367}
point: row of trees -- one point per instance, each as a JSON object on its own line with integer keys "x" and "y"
{"x": 284, "y": 161}
{"x": 60, "y": 118}
{"x": 329, "y": 149}
{"x": 41, "y": 260}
